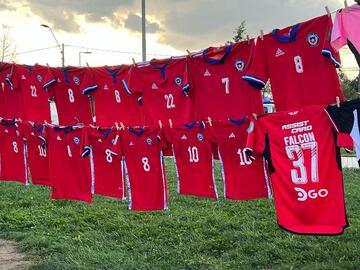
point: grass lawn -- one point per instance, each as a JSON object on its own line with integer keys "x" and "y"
{"x": 194, "y": 234}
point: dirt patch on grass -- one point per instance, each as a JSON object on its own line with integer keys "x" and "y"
{"x": 10, "y": 258}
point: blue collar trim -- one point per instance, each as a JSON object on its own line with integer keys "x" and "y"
{"x": 135, "y": 132}
{"x": 162, "y": 68}
{"x": 238, "y": 122}
{"x": 114, "y": 73}
{"x": 290, "y": 38}
{"x": 217, "y": 61}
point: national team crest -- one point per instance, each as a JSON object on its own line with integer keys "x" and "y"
{"x": 313, "y": 39}
{"x": 148, "y": 140}
{"x": 178, "y": 80}
{"x": 76, "y": 80}
{"x": 240, "y": 65}
{"x": 39, "y": 78}
{"x": 76, "y": 140}
{"x": 200, "y": 137}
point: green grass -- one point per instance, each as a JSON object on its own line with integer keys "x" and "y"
{"x": 194, "y": 234}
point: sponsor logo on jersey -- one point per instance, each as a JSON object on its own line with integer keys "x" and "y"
{"x": 279, "y": 52}
{"x": 58, "y": 138}
{"x": 303, "y": 195}
{"x": 106, "y": 87}
{"x": 232, "y": 135}
{"x": 178, "y": 80}
{"x": 154, "y": 86}
{"x": 200, "y": 137}
{"x": 207, "y": 73}
{"x": 148, "y": 140}
{"x": 293, "y": 113}
{"x": 76, "y": 80}
{"x": 39, "y": 77}
{"x": 76, "y": 140}
{"x": 131, "y": 143}
{"x": 239, "y": 65}
{"x": 23, "y": 77}
{"x": 313, "y": 39}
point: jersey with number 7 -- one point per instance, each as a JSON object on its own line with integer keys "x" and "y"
{"x": 305, "y": 167}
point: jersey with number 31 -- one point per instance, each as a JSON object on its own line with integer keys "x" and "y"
{"x": 305, "y": 167}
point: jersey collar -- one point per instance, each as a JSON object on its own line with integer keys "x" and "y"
{"x": 217, "y": 61}
{"x": 290, "y": 38}
{"x": 137, "y": 132}
{"x": 161, "y": 67}
{"x": 238, "y": 122}
{"x": 113, "y": 73}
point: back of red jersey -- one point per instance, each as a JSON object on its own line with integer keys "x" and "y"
{"x": 193, "y": 159}
{"x": 69, "y": 172}
{"x": 220, "y": 92}
{"x": 300, "y": 63}
{"x": 145, "y": 169}
{"x": 9, "y": 91}
{"x": 112, "y": 103}
{"x": 34, "y": 99}
{"x": 13, "y": 165}
{"x": 104, "y": 147}
{"x": 243, "y": 178}
{"x": 72, "y": 103}
{"x": 37, "y": 153}
{"x": 163, "y": 89}
{"x": 305, "y": 169}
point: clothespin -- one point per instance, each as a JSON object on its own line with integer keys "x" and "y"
{"x": 160, "y": 124}
{"x": 47, "y": 64}
{"x": 92, "y": 126}
{"x": 133, "y": 60}
{"x": 170, "y": 123}
{"x": 328, "y": 11}
{"x": 188, "y": 52}
{"x": 254, "y": 116}
{"x": 46, "y": 123}
{"x": 337, "y": 101}
{"x": 117, "y": 126}
{"x": 87, "y": 64}
{"x": 248, "y": 38}
{"x": 209, "y": 121}
{"x": 262, "y": 34}
{"x": 346, "y": 4}
{"x": 122, "y": 126}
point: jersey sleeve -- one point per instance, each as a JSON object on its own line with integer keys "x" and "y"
{"x": 88, "y": 84}
{"x": 50, "y": 75}
{"x": 255, "y": 143}
{"x": 342, "y": 117}
{"x": 258, "y": 74}
{"x": 338, "y": 38}
{"x": 130, "y": 81}
{"x": 327, "y": 49}
{"x": 186, "y": 78}
{"x": 85, "y": 143}
{"x": 210, "y": 133}
{"x": 49, "y": 79}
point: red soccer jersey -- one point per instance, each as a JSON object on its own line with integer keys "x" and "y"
{"x": 13, "y": 165}
{"x": 34, "y": 99}
{"x": 104, "y": 147}
{"x": 70, "y": 93}
{"x": 69, "y": 172}
{"x": 305, "y": 168}
{"x": 193, "y": 159}
{"x": 37, "y": 153}
{"x": 112, "y": 103}
{"x": 9, "y": 92}
{"x": 300, "y": 63}
{"x": 163, "y": 89}
{"x": 243, "y": 178}
{"x": 145, "y": 169}
{"x": 220, "y": 92}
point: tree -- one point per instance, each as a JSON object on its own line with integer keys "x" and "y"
{"x": 349, "y": 87}
{"x": 240, "y": 32}
{"x": 8, "y": 48}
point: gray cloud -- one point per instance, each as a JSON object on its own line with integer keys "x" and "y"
{"x": 133, "y": 23}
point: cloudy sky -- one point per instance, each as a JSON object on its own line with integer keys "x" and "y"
{"x": 114, "y": 25}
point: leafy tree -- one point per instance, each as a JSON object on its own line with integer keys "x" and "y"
{"x": 349, "y": 87}
{"x": 240, "y": 32}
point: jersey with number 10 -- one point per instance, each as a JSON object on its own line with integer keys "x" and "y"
{"x": 304, "y": 162}
{"x": 300, "y": 63}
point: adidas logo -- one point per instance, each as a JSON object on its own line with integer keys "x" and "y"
{"x": 2, "y": 86}
{"x": 131, "y": 143}
{"x": 6, "y": 131}
{"x": 58, "y": 138}
{"x": 207, "y": 73}
{"x": 58, "y": 80}
{"x": 100, "y": 140}
{"x": 183, "y": 137}
{"x": 279, "y": 52}
{"x": 106, "y": 87}
{"x": 154, "y": 86}
{"x": 23, "y": 77}
{"x": 232, "y": 135}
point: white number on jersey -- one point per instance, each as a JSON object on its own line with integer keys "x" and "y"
{"x": 42, "y": 151}
{"x": 146, "y": 164}
{"x": 226, "y": 81}
{"x": 298, "y": 64}
{"x": 117, "y": 96}
{"x": 108, "y": 155}
{"x": 169, "y": 101}
{"x": 33, "y": 90}
{"x": 71, "y": 95}
{"x": 193, "y": 154}
{"x": 295, "y": 153}
{"x": 15, "y": 147}
{"x": 69, "y": 151}
{"x": 244, "y": 159}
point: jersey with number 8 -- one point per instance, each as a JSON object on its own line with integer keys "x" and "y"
{"x": 145, "y": 169}
{"x": 304, "y": 162}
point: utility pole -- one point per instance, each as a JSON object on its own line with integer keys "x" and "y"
{"x": 62, "y": 47}
{"x": 143, "y": 28}
{"x": 62, "y": 54}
